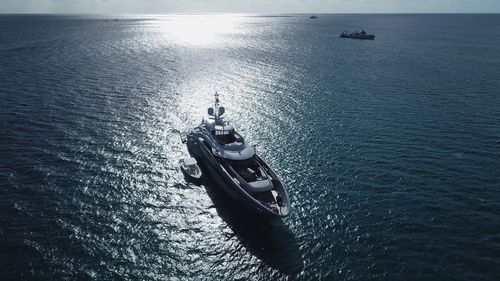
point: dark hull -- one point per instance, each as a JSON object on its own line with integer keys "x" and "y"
{"x": 372, "y": 37}
{"x": 358, "y": 36}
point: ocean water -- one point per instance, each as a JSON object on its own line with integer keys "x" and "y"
{"x": 390, "y": 148}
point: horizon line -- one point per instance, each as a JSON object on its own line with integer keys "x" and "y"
{"x": 262, "y": 13}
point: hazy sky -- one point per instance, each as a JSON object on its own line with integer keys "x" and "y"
{"x": 247, "y": 6}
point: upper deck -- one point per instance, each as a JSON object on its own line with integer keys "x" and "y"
{"x": 221, "y": 136}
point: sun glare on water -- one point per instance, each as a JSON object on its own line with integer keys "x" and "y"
{"x": 201, "y": 30}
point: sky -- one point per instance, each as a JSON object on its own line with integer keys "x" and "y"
{"x": 248, "y": 6}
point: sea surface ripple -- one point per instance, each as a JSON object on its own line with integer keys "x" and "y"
{"x": 390, "y": 148}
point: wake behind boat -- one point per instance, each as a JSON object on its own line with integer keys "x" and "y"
{"x": 235, "y": 166}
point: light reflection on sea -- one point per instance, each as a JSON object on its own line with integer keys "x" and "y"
{"x": 389, "y": 148}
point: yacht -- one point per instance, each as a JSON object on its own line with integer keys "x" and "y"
{"x": 235, "y": 166}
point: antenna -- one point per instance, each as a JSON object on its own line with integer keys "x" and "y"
{"x": 216, "y": 106}
{"x": 216, "y": 99}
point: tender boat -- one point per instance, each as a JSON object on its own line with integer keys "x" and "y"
{"x": 235, "y": 167}
{"x": 190, "y": 169}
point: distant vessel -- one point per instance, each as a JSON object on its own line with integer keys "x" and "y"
{"x": 313, "y": 17}
{"x": 235, "y": 166}
{"x": 357, "y": 35}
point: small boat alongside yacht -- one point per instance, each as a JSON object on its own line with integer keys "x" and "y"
{"x": 235, "y": 166}
{"x": 190, "y": 169}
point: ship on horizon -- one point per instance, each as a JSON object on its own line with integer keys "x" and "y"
{"x": 357, "y": 35}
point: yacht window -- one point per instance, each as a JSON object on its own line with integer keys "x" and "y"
{"x": 225, "y": 136}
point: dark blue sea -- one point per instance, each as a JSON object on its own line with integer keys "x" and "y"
{"x": 390, "y": 148}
